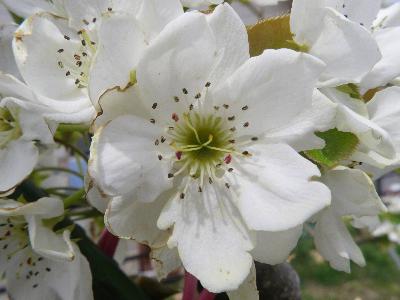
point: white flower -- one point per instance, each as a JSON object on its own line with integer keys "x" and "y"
{"x": 37, "y": 263}
{"x": 353, "y": 194}
{"x": 335, "y": 31}
{"x": 390, "y": 229}
{"x": 386, "y": 31}
{"x": 20, "y": 131}
{"x": 375, "y": 123}
{"x": 76, "y": 51}
{"x": 191, "y": 161}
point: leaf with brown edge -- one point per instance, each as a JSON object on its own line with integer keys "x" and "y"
{"x": 271, "y": 33}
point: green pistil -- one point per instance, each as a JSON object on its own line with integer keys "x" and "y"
{"x": 202, "y": 139}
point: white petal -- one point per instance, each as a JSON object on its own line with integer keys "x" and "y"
{"x": 33, "y": 125}
{"x": 347, "y": 48}
{"x": 274, "y": 247}
{"x": 262, "y": 80}
{"x": 306, "y": 20}
{"x": 154, "y": 15}
{"x": 41, "y": 68}
{"x": 388, "y": 17}
{"x": 121, "y": 44}
{"x": 26, "y": 8}
{"x": 117, "y": 102}
{"x": 17, "y": 161}
{"x": 5, "y": 16}
{"x": 124, "y": 159}
{"x": 384, "y": 110}
{"x": 62, "y": 280}
{"x": 46, "y": 242}
{"x": 129, "y": 218}
{"x": 166, "y": 261}
{"x": 95, "y": 196}
{"x": 306, "y": 29}
{"x": 7, "y": 61}
{"x": 372, "y": 137}
{"x": 353, "y": 192}
{"x": 44, "y": 208}
{"x": 274, "y": 187}
{"x": 205, "y": 225}
{"x": 335, "y": 243}
{"x": 232, "y": 42}
{"x": 168, "y": 66}
{"x": 299, "y": 132}
{"x": 361, "y": 12}
{"x": 388, "y": 68}
{"x": 248, "y": 289}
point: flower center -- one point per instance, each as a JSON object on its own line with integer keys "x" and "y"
{"x": 202, "y": 139}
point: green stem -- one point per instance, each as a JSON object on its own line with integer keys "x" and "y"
{"x": 64, "y": 128}
{"x": 73, "y": 148}
{"x": 57, "y": 169}
{"x": 74, "y": 198}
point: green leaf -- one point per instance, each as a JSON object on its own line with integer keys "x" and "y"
{"x": 351, "y": 89}
{"x": 339, "y": 146}
{"x": 272, "y": 34}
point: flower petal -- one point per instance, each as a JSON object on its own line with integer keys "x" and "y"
{"x": 259, "y": 82}
{"x": 121, "y": 44}
{"x": 7, "y": 60}
{"x": 248, "y": 289}
{"x": 167, "y": 70}
{"x": 17, "y": 161}
{"x": 205, "y": 225}
{"x": 384, "y": 110}
{"x": 274, "y": 247}
{"x": 128, "y": 218}
{"x": 50, "y": 279}
{"x": 388, "y": 68}
{"x": 166, "y": 261}
{"x": 124, "y": 159}
{"x": 274, "y": 188}
{"x": 232, "y": 42}
{"x": 45, "y": 69}
{"x": 299, "y": 132}
{"x": 347, "y": 48}
{"x": 335, "y": 243}
{"x": 353, "y": 192}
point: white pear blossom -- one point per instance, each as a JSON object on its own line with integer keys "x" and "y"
{"x": 76, "y": 50}
{"x": 337, "y": 32}
{"x": 353, "y": 194}
{"x": 195, "y": 154}
{"x": 374, "y": 123}
{"x": 38, "y": 263}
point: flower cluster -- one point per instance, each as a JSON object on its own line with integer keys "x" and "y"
{"x": 214, "y": 144}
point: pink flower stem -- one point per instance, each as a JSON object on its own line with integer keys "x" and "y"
{"x": 206, "y": 295}
{"x": 108, "y": 243}
{"x": 189, "y": 287}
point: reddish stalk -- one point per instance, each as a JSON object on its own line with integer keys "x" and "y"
{"x": 206, "y": 295}
{"x": 108, "y": 243}
{"x": 189, "y": 287}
